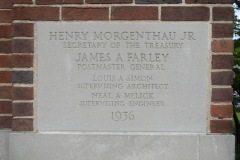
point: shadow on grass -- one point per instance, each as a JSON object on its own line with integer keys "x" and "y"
{"x": 237, "y": 152}
{"x": 237, "y": 145}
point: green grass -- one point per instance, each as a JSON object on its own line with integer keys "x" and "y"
{"x": 238, "y": 113}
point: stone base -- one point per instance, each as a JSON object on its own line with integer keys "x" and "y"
{"x": 99, "y": 146}
{"x": 4, "y": 144}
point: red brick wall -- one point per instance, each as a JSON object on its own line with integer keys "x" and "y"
{"x": 5, "y": 64}
{"x": 17, "y": 19}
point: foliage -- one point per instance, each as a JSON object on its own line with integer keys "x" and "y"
{"x": 237, "y": 2}
{"x": 236, "y": 68}
{"x": 236, "y": 26}
{"x": 236, "y": 54}
{"x": 236, "y": 81}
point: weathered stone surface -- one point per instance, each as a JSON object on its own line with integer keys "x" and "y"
{"x": 4, "y": 144}
{"x": 217, "y": 147}
{"x": 70, "y": 146}
{"x": 122, "y": 76}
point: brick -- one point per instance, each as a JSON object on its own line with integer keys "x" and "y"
{"x": 22, "y": 124}
{"x": 5, "y": 107}
{"x": 5, "y": 31}
{"x": 134, "y": 13}
{"x": 5, "y": 122}
{"x": 22, "y": 1}
{"x": 5, "y": 77}
{"x": 86, "y": 13}
{"x": 23, "y": 30}
{"x": 22, "y": 61}
{"x": 222, "y": 46}
{"x": 23, "y": 93}
{"x": 25, "y": 77}
{"x": 157, "y": 1}
{"x": 5, "y": 92}
{"x": 209, "y": 1}
{"x": 222, "y": 111}
{"x": 36, "y": 13}
{"x": 5, "y": 61}
{"x": 222, "y": 62}
{"x": 222, "y": 78}
{"x": 222, "y": 94}
{"x": 223, "y": 14}
{"x": 49, "y": 2}
{"x": 5, "y": 16}
{"x": 22, "y": 109}
{"x": 6, "y": 4}
{"x": 23, "y": 46}
{"x": 221, "y": 30}
{"x": 185, "y": 14}
{"x": 5, "y": 46}
{"x": 108, "y": 1}
{"x": 221, "y": 126}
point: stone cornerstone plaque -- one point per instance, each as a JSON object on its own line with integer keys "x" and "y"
{"x": 122, "y": 76}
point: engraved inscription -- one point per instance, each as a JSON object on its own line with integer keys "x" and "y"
{"x": 108, "y": 77}
{"x": 135, "y": 90}
{"x": 122, "y": 116}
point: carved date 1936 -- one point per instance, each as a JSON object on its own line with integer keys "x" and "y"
{"x": 122, "y": 116}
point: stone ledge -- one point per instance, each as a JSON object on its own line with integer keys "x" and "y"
{"x": 74, "y": 146}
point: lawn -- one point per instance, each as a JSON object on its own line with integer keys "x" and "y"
{"x": 238, "y": 112}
